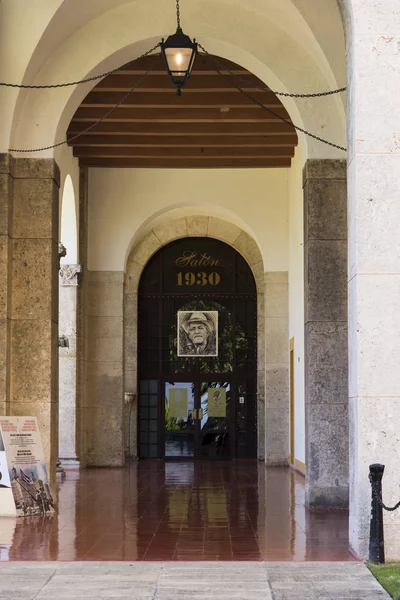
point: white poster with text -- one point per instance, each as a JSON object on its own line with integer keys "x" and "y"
{"x": 23, "y": 466}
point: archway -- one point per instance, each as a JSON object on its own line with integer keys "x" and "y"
{"x": 230, "y": 50}
{"x": 197, "y": 344}
{"x": 169, "y": 230}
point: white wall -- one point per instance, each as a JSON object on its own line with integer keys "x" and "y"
{"x": 296, "y": 298}
{"x": 122, "y": 201}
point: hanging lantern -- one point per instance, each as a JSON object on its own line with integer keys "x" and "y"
{"x": 179, "y": 53}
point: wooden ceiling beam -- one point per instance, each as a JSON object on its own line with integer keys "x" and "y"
{"x": 208, "y": 81}
{"x": 159, "y": 100}
{"x": 202, "y": 63}
{"x": 142, "y": 141}
{"x": 208, "y": 70}
{"x": 184, "y": 163}
{"x": 189, "y": 153}
{"x": 251, "y": 114}
{"x": 185, "y": 129}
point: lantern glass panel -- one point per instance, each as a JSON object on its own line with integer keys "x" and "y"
{"x": 178, "y": 60}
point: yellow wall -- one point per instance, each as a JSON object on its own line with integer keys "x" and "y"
{"x": 126, "y": 203}
{"x": 123, "y": 201}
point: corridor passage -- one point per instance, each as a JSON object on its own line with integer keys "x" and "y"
{"x": 181, "y": 511}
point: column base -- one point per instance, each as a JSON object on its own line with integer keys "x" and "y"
{"x": 70, "y": 463}
{"x": 327, "y": 497}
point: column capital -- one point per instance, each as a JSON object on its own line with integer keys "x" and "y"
{"x": 324, "y": 168}
{"x": 69, "y": 275}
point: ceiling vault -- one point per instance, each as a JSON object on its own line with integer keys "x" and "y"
{"x": 211, "y": 125}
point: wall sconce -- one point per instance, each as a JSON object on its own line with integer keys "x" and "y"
{"x": 129, "y": 398}
{"x": 63, "y": 341}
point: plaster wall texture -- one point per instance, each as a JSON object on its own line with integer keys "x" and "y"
{"x": 122, "y": 201}
{"x": 296, "y": 299}
{"x": 326, "y": 365}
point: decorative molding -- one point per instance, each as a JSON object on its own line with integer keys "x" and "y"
{"x": 63, "y": 341}
{"x": 69, "y": 274}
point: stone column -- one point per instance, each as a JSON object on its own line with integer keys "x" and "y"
{"x": 34, "y": 303}
{"x": 374, "y": 263}
{"x": 69, "y": 279}
{"x": 277, "y": 369}
{"x": 326, "y": 365}
{"x": 6, "y": 188}
{"x": 104, "y": 410}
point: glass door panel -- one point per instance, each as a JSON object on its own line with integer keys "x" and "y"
{"x": 214, "y": 418}
{"x": 179, "y": 428}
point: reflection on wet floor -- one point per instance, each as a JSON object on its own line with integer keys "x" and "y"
{"x": 155, "y": 510}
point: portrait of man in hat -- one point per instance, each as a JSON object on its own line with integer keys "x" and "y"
{"x": 198, "y": 333}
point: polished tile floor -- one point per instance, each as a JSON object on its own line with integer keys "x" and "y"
{"x": 161, "y": 511}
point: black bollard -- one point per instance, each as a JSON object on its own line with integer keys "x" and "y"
{"x": 376, "y": 541}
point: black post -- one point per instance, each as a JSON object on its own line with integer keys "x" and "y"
{"x": 376, "y": 541}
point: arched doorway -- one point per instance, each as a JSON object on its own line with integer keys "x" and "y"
{"x": 197, "y": 350}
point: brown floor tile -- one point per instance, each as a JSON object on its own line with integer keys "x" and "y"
{"x": 153, "y": 510}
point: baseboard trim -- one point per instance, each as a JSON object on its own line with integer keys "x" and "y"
{"x": 299, "y": 466}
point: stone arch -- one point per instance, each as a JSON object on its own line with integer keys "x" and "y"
{"x": 140, "y": 254}
{"x": 193, "y": 226}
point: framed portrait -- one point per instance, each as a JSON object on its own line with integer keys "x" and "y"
{"x": 197, "y": 333}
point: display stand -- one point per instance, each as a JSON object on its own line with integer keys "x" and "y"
{"x": 24, "y": 482}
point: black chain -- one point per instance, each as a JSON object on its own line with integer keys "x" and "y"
{"x": 216, "y": 61}
{"x": 61, "y": 85}
{"x": 267, "y": 89}
{"x": 311, "y": 135}
{"x": 93, "y": 125}
{"x": 178, "y": 15}
{"x": 145, "y": 54}
{"x": 377, "y": 496}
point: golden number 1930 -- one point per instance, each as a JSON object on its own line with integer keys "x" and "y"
{"x": 198, "y": 279}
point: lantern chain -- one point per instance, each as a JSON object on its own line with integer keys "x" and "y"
{"x": 271, "y": 112}
{"x": 178, "y": 15}
{"x": 219, "y": 68}
{"x": 68, "y": 84}
{"x": 215, "y": 60}
{"x": 265, "y": 88}
{"x": 93, "y": 125}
